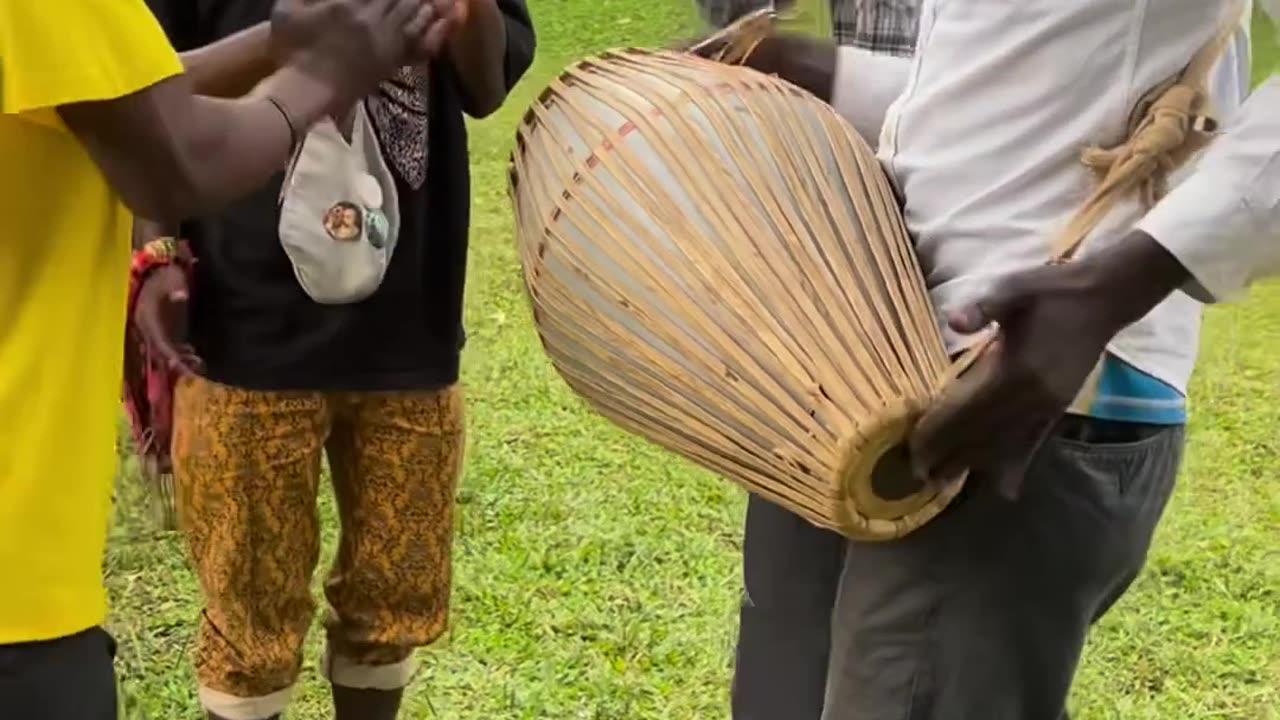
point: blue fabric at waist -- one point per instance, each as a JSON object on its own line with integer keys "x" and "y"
{"x": 1127, "y": 394}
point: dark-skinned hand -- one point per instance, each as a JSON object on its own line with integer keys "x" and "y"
{"x": 435, "y": 24}
{"x": 1054, "y": 325}
{"x": 352, "y": 44}
{"x": 161, "y": 318}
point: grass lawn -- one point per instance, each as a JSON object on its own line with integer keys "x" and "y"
{"x": 597, "y": 577}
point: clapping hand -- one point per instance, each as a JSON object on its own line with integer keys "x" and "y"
{"x": 353, "y": 44}
{"x": 435, "y": 23}
{"x": 161, "y": 318}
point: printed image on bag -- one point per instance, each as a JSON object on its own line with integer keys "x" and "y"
{"x": 339, "y": 212}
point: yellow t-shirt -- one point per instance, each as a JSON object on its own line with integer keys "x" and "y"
{"x": 64, "y": 259}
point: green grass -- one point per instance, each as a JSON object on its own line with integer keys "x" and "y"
{"x": 598, "y": 577}
{"x": 1266, "y": 47}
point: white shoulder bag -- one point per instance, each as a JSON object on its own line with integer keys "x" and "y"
{"x": 339, "y": 212}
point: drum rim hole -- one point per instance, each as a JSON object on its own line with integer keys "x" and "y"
{"x": 891, "y": 477}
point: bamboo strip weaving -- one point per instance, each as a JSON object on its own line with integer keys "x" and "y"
{"x": 716, "y": 262}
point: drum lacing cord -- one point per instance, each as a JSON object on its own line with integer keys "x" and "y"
{"x": 1169, "y": 126}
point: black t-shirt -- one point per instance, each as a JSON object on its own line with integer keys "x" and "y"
{"x": 251, "y": 321}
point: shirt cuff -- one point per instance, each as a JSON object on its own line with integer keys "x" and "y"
{"x": 864, "y": 86}
{"x": 1201, "y": 224}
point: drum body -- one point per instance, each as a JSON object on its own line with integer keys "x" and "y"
{"x": 717, "y": 263}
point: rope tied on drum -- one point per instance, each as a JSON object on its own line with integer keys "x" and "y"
{"x": 1173, "y": 129}
{"x": 1169, "y": 126}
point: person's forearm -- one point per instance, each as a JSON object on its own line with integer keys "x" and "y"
{"x": 172, "y": 155}
{"x": 233, "y": 146}
{"x": 233, "y": 65}
{"x": 224, "y": 149}
{"x": 477, "y": 52}
{"x": 1223, "y": 221}
{"x": 1129, "y": 279}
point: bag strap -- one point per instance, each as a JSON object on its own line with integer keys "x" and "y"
{"x": 293, "y": 164}
{"x": 356, "y": 144}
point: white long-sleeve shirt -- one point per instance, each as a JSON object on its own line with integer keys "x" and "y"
{"x": 984, "y": 131}
{"x": 1223, "y": 221}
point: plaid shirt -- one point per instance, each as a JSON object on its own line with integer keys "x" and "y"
{"x": 883, "y": 26}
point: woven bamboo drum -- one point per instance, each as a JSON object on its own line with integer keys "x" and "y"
{"x": 717, "y": 263}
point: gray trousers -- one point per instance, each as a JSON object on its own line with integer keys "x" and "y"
{"x": 982, "y": 614}
{"x": 791, "y": 572}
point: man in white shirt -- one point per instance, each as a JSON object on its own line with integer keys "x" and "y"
{"x": 982, "y": 614}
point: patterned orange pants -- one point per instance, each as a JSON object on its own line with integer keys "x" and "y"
{"x": 247, "y": 466}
